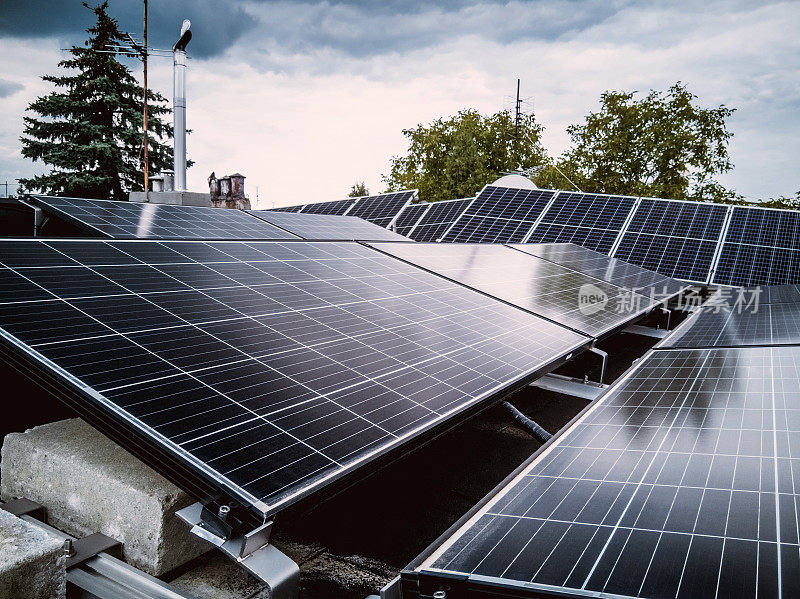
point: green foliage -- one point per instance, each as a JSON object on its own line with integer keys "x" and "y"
{"x": 662, "y": 145}
{"x": 90, "y": 132}
{"x": 782, "y": 202}
{"x": 455, "y": 157}
{"x": 359, "y": 189}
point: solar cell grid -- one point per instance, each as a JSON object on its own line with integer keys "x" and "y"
{"x": 762, "y": 324}
{"x": 288, "y": 208}
{"x": 611, "y": 270}
{"x": 126, "y": 220}
{"x": 677, "y": 239}
{"x": 409, "y": 217}
{"x": 742, "y": 264}
{"x": 336, "y": 208}
{"x": 499, "y": 215}
{"x": 382, "y": 209}
{"x": 590, "y": 220}
{"x": 438, "y": 219}
{"x": 266, "y": 369}
{"x": 526, "y": 281}
{"x": 324, "y": 226}
{"x": 679, "y": 482}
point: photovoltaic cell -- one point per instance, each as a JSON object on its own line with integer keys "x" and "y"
{"x": 439, "y": 217}
{"x": 409, "y": 217}
{"x": 761, "y": 247}
{"x": 262, "y": 369}
{"x": 499, "y": 215}
{"x": 674, "y": 238}
{"x": 679, "y": 482}
{"x": 611, "y": 270}
{"x": 336, "y": 208}
{"x": 590, "y": 220}
{"x": 382, "y": 209}
{"x": 324, "y": 226}
{"x": 759, "y": 324}
{"x": 528, "y": 282}
{"x": 129, "y": 220}
{"x": 288, "y": 208}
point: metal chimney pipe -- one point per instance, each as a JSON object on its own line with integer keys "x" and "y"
{"x": 179, "y": 105}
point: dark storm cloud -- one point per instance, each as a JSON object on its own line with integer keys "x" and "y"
{"x": 217, "y": 24}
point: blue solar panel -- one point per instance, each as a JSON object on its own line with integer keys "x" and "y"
{"x": 499, "y": 215}
{"x": 382, "y": 209}
{"x": 679, "y": 482}
{"x": 674, "y": 238}
{"x": 590, "y": 220}
{"x": 438, "y": 219}
{"x": 336, "y": 208}
{"x": 409, "y": 217}
{"x": 761, "y": 247}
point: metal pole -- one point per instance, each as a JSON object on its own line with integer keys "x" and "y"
{"x": 179, "y": 115}
{"x": 144, "y": 62}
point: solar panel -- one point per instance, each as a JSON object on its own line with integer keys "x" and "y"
{"x": 323, "y": 226}
{"x": 336, "y": 208}
{"x": 717, "y": 326}
{"x": 382, "y": 209}
{"x": 590, "y": 220}
{"x": 288, "y": 208}
{"x": 126, "y": 220}
{"x": 679, "y": 482}
{"x": 761, "y": 247}
{"x": 677, "y": 239}
{"x": 611, "y": 270}
{"x": 775, "y": 294}
{"x": 528, "y": 282}
{"x": 499, "y": 215}
{"x": 408, "y": 218}
{"x": 264, "y": 370}
{"x": 439, "y": 217}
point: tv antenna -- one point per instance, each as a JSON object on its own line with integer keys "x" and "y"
{"x": 132, "y": 48}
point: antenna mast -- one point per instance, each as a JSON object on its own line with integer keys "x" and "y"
{"x": 146, "y": 142}
{"x": 517, "y": 121}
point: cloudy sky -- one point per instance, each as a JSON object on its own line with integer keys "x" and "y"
{"x": 307, "y": 97}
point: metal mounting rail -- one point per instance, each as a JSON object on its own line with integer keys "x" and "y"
{"x": 250, "y": 550}
{"x": 92, "y": 573}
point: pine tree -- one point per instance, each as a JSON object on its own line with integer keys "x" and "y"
{"x": 90, "y": 134}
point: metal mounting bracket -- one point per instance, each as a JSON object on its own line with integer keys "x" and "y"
{"x": 603, "y": 359}
{"x": 24, "y": 507}
{"x": 637, "y": 329}
{"x": 81, "y": 550}
{"x": 570, "y": 386}
{"x": 251, "y": 550}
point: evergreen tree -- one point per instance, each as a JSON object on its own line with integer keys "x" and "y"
{"x": 90, "y": 134}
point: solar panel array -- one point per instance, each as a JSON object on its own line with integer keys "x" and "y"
{"x": 719, "y": 326}
{"x": 288, "y": 208}
{"x": 439, "y": 217}
{"x": 526, "y": 281}
{"x": 499, "y": 215}
{"x": 129, "y": 220}
{"x": 611, "y": 270}
{"x": 677, "y": 239}
{"x": 323, "y": 226}
{"x": 591, "y": 220}
{"x": 761, "y": 247}
{"x": 679, "y": 482}
{"x": 408, "y": 218}
{"x": 263, "y": 369}
{"x": 335, "y": 208}
{"x": 382, "y": 209}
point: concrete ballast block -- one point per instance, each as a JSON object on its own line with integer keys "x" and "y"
{"x": 89, "y": 484}
{"x": 32, "y": 563}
